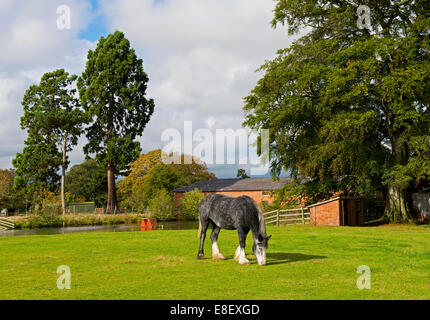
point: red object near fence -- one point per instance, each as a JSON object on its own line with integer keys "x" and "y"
{"x": 148, "y": 224}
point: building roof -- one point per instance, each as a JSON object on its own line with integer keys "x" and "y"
{"x": 247, "y": 184}
{"x": 333, "y": 199}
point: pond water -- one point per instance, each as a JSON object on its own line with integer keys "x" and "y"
{"x": 168, "y": 225}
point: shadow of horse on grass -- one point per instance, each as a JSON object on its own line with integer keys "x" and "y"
{"x": 282, "y": 257}
{"x": 274, "y": 258}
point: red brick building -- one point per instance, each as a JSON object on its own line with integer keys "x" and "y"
{"x": 257, "y": 188}
{"x": 339, "y": 211}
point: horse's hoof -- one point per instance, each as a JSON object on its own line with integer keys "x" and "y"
{"x": 200, "y": 257}
{"x": 237, "y": 254}
{"x": 243, "y": 261}
{"x": 218, "y": 256}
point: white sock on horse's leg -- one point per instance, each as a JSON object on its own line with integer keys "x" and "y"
{"x": 237, "y": 254}
{"x": 215, "y": 252}
{"x": 242, "y": 257}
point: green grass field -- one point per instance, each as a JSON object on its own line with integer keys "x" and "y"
{"x": 304, "y": 262}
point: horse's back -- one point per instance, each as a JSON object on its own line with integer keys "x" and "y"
{"x": 206, "y": 204}
{"x": 228, "y": 212}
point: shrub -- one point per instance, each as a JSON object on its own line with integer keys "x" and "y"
{"x": 22, "y": 223}
{"x": 189, "y": 204}
{"x": 136, "y": 200}
{"x": 45, "y": 218}
{"x": 161, "y": 206}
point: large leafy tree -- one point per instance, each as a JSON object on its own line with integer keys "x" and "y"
{"x": 161, "y": 177}
{"x": 36, "y": 168}
{"x": 192, "y": 172}
{"x": 9, "y": 198}
{"x": 135, "y": 189}
{"x": 349, "y": 107}
{"x": 88, "y": 181}
{"x": 112, "y": 91}
{"x": 6, "y": 187}
{"x": 139, "y": 170}
{"x": 53, "y": 120}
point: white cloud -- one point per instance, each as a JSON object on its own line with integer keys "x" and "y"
{"x": 33, "y": 45}
{"x": 200, "y": 56}
{"x": 30, "y": 34}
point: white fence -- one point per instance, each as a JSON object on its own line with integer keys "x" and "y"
{"x": 288, "y": 216}
{"x": 6, "y": 224}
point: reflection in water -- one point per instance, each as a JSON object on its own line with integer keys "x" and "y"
{"x": 168, "y": 225}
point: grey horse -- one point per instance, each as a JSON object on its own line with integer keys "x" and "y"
{"x": 241, "y": 214}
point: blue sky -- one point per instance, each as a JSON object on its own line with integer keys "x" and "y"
{"x": 97, "y": 26}
{"x": 200, "y": 56}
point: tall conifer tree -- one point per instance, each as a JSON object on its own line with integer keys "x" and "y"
{"x": 112, "y": 90}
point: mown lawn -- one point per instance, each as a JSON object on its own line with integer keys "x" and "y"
{"x": 304, "y": 262}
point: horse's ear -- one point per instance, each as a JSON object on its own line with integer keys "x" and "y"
{"x": 269, "y": 237}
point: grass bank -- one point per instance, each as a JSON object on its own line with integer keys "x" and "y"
{"x": 304, "y": 262}
{"x": 72, "y": 220}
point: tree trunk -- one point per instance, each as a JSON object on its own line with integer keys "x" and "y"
{"x": 112, "y": 203}
{"x": 397, "y": 207}
{"x": 63, "y": 176}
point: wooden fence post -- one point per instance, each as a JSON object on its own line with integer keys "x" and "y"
{"x": 277, "y": 217}
{"x": 303, "y": 216}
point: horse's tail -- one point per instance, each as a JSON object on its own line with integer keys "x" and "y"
{"x": 199, "y": 233}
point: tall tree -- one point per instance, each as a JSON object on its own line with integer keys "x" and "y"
{"x": 112, "y": 91}
{"x": 348, "y": 106}
{"x": 53, "y": 119}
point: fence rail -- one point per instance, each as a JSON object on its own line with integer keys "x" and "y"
{"x": 6, "y": 224}
{"x": 287, "y": 216}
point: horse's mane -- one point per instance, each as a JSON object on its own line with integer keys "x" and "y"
{"x": 261, "y": 221}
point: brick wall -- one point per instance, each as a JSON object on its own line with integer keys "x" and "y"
{"x": 330, "y": 213}
{"x": 327, "y": 214}
{"x": 177, "y": 196}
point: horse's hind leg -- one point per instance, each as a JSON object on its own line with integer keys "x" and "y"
{"x": 215, "y": 250}
{"x": 240, "y": 256}
{"x": 205, "y": 224}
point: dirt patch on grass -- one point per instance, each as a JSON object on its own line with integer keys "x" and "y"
{"x": 167, "y": 260}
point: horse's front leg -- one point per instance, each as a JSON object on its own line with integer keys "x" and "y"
{"x": 240, "y": 256}
{"x": 215, "y": 250}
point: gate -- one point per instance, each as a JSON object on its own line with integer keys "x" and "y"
{"x": 6, "y": 224}
{"x": 287, "y": 216}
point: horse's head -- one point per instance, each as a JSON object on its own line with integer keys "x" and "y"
{"x": 260, "y": 247}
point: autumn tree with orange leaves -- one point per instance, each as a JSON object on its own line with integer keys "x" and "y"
{"x": 137, "y": 188}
